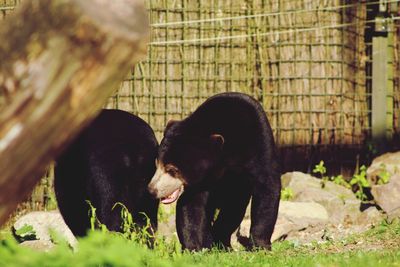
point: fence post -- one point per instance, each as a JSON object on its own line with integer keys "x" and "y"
{"x": 381, "y": 122}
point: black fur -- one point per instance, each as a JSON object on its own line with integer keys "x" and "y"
{"x": 224, "y": 173}
{"x": 111, "y": 161}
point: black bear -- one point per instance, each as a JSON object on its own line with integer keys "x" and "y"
{"x": 111, "y": 161}
{"x": 221, "y": 156}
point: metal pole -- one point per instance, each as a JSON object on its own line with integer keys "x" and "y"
{"x": 380, "y": 78}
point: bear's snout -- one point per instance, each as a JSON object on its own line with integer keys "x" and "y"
{"x": 165, "y": 187}
{"x": 152, "y": 190}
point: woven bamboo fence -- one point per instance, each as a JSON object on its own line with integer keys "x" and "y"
{"x": 7, "y": 6}
{"x": 305, "y": 80}
{"x": 307, "y": 63}
{"x": 303, "y": 60}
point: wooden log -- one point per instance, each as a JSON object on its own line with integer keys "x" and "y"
{"x": 60, "y": 61}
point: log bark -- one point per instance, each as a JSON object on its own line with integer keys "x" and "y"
{"x": 59, "y": 62}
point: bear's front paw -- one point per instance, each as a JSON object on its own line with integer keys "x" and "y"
{"x": 259, "y": 244}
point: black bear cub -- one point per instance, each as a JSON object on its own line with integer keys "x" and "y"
{"x": 111, "y": 161}
{"x": 218, "y": 158}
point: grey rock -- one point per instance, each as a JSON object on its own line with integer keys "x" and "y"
{"x": 340, "y": 202}
{"x": 395, "y": 214}
{"x": 323, "y": 233}
{"x": 389, "y": 162}
{"x": 292, "y": 216}
{"x": 370, "y": 216}
{"x": 167, "y": 228}
{"x": 166, "y": 223}
{"x": 303, "y": 213}
{"x": 43, "y": 222}
{"x": 39, "y": 245}
{"x": 387, "y": 196}
{"x": 283, "y": 227}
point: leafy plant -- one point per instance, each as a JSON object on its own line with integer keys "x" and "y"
{"x": 26, "y": 232}
{"x": 339, "y": 180}
{"x": 107, "y": 249}
{"x": 384, "y": 175}
{"x": 216, "y": 213}
{"x": 94, "y": 221}
{"x": 321, "y": 169}
{"x": 360, "y": 181}
{"x": 287, "y": 194}
{"x": 143, "y": 235}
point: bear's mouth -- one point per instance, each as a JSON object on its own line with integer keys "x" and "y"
{"x": 172, "y": 197}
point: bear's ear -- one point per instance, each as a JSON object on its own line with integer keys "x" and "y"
{"x": 217, "y": 139}
{"x": 169, "y": 124}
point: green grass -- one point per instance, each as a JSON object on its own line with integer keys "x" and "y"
{"x": 379, "y": 246}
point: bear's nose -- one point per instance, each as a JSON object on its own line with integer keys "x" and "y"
{"x": 153, "y": 191}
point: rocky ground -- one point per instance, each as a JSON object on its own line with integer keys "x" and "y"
{"x": 313, "y": 213}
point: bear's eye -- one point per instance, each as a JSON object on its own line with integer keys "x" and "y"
{"x": 171, "y": 171}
